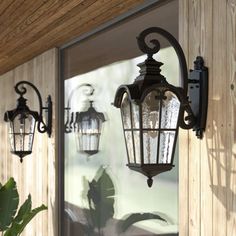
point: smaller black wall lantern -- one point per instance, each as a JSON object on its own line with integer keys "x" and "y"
{"x": 22, "y": 121}
{"x": 87, "y": 125}
{"x": 152, "y": 110}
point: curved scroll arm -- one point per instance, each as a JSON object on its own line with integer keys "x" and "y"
{"x": 69, "y": 121}
{"x": 188, "y": 121}
{"x": 144, "y": 47}
{"x": 42, "y": 126}
{"x": 78, "y": 87}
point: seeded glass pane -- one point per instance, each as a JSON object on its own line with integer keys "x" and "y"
{"x": 137, "y": 146}
{"x": 125, "y": 111}
{"x": 11, "y": 139}
{"x": 19, "y": 142}
{"x": 166, "y": 146}
{"x": 27, "y": 144}
{"x": 135, "y": 115}
{"x": 150, "y": 111}
{"x": 150, "y": 146}
{"x": 129, "y": 143}
{"x": 29, "y": 124}
{"x": 30, "y": 144}
{"x": 11, "y": 136}
{"x": 170, "y": 111}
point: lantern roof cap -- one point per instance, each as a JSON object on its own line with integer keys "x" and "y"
{"x": 21, "y": 108}
{"x": 92, "y": 113}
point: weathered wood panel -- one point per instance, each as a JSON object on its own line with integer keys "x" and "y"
{"x": 206, "y": 160}
{"x": 220, "y": 118}
{"x": 28, "y": 28}
{"x": 208, "y": 28}
{"x": 194, "y": 24}
{"x": 231, "y": 118}
{"x": 37, "y": 174}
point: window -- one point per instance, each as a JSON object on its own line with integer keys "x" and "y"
{"x": 101, "y": 196}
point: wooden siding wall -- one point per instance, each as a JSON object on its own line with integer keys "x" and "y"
{"x": 208, "y": 167}
{"x": 36, "y": 175}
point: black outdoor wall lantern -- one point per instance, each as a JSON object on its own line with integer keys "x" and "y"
{"x": 152, "y": 110}
{"x": 22, "y": 121}
{"x": 87, "y": 125}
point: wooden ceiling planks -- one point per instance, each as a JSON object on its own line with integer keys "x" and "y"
{"x": 28, "y": 28}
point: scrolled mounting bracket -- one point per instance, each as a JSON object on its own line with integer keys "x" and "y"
{"x": 198, "y": 95}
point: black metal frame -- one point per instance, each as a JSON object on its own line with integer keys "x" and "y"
{"x": 42, "y": 126}
{"x": 192, "y": 112}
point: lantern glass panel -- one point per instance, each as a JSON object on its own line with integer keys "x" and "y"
{"x": 167, "y": 139}
{"x": 150, "y": 116}
{"x": 130, "y": 148}
{"x": 11, "y": 136}
{"x": 126, "y": 118}
{"x": 137, "y": 146}
{"x": 150, "y": 146}
{"x": 170, "y": 111}
{"x": 135, "y": 115}
{"x": 150, "y": 110}
{"x": 125, "y": 111}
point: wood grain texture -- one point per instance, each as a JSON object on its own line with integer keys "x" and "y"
{"x": 28, "y": 28}
{"x": 194, "y": 143}
{"x": 219, "y": 146}
{"x": 206, "y": 50}
{"x": 231, "y": 118}
{"x": 210, "y": 181}
{"x": 37, "y": 174}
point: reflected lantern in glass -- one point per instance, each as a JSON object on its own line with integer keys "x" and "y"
{"x": 88, "y": 129}
{"x": 21, "y": 128}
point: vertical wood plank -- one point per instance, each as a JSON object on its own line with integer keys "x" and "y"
{"x": 206, "y": 142}
{"x": 183, "y": 134}
{"x": 219, "y": 146}
{"x": 194, "y": 143}
{"x": 231, "y": 118}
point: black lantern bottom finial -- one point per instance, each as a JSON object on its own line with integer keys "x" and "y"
{"x": 150, "y": 182}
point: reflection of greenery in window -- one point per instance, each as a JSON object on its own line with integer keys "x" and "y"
{"x": 131, "y": 192}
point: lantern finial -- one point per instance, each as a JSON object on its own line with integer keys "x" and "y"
{"x": 149, "y": 182}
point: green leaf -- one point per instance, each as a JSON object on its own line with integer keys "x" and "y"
{"x": 9, "y": 200}
{"x": 24, "y": 210}
{"x": 101, "y": 198}
{"x": 136, "y": 217}
{"x": 26, "y": 215}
